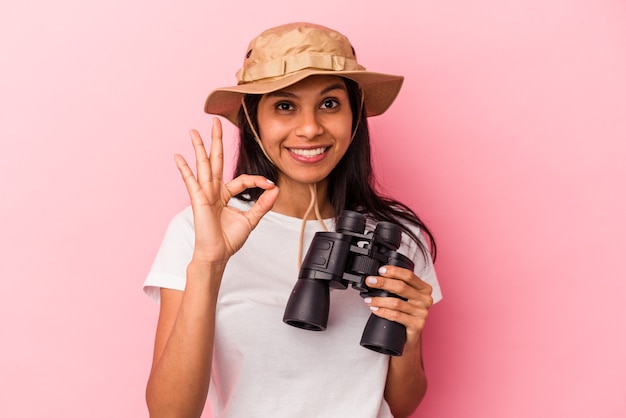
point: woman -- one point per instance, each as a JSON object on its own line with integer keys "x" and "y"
{"x": 229, "y": 262}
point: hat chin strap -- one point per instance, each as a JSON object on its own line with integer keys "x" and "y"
{"x": 254, "y": 132}
{"x": 313, "y": 204}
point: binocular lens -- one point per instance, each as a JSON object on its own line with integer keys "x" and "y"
{"x": 384, "y": 336}
{"x": 350, "y": 221}
{"x": 388, "y": 233}
{"x": 308, "y": 305}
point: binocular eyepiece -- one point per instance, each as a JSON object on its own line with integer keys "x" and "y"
{"x": 343, "y": 258}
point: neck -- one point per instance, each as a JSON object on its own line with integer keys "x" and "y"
{"x": 294, "y": 200}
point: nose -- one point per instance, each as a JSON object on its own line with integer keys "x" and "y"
{"x": 309, "y": 125}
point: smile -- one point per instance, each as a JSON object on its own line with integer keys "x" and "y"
{"x": 308, "y": 153}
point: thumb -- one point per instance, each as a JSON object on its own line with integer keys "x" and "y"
{"x": 264, "y": 203}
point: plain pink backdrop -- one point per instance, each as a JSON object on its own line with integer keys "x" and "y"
{"x": 508, "y": 138}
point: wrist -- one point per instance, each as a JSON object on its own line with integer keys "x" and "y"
{"x": 412, "y": 352}
{"x": 205, "y": 271}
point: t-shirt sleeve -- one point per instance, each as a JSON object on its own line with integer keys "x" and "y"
{"x": 170, "y": 264}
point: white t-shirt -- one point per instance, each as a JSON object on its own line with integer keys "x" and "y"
{"x": 263, "y": 367}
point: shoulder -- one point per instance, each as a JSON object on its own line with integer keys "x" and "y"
{"x": 180, "y": 225}
{"x": 183, "y": 218}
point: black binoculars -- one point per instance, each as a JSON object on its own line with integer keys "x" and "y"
{"x": 342, "y": 258}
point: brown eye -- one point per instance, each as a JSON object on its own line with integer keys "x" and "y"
{"x": 284, "y": 106}
{"x": 329, "y": 104}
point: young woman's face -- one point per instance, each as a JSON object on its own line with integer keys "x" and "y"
{"x": 306, "y": 128}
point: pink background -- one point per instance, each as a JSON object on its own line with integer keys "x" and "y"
{"x": 509, "y": 138}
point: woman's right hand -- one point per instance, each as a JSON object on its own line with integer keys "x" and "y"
{"x": 220, "y": 230}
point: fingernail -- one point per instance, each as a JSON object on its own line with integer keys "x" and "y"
{"x": 269, "y": 181}
{"x": 367, "y": 300}
{"x": 373, "y": 308}
{"x": 382, "y": 270}
{"x": 371, "y": 280}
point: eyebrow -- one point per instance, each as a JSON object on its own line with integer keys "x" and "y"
{"x": 282, "y": 93}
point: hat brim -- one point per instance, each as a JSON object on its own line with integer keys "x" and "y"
{"x": 379, "y": 91}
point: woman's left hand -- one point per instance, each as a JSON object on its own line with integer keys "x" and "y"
{"x": 411, "y": 312}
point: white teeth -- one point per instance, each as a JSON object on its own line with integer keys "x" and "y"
{"x": 308, "y": 153}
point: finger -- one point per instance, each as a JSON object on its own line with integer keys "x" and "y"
{"x": 419, "y": 308}
{"x": 406, "y": 276}
{"x": 395, "y": 286}
{"x": 185, "y": 171}
{"x": 264, "y": 203}
{"x": 217, "y": 151}
{"x": 398, "y": 287}
{"x": 414, "y": 323}
{"x": 411, "y": 306}
{"x": 246, "y": 181}
{"x": 411, "y": 316}
{"x": 203, "y": 168}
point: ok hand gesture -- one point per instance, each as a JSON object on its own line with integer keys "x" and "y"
{"x": 220, "y": 230}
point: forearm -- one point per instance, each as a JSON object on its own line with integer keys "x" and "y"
{"x": 180, "y": 376}
{"x": 406, "y": 382}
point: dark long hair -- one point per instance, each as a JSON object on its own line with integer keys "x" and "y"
{"x": 351, "y": 184}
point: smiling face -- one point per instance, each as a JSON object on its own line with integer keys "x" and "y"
{"x": 306, "y": 129}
